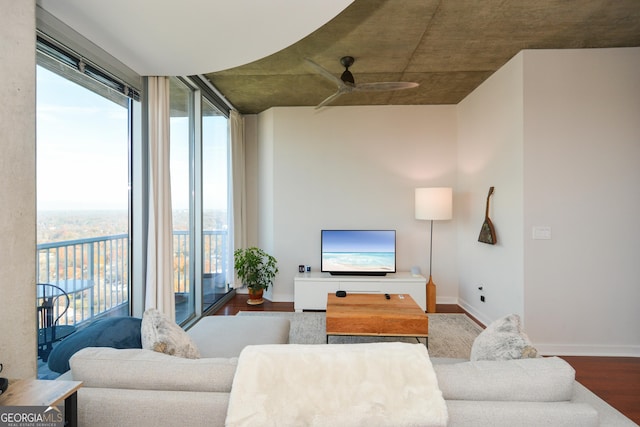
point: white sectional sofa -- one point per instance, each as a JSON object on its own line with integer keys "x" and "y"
{"x": 137, "y": 387}
{"x": 520, "y": 392}
{"x": 142, "y": 388}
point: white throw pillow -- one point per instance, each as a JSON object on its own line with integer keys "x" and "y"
{"x": 161, "y": 334}
{"x": 503, "y": 339}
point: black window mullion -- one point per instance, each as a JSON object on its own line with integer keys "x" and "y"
{"x": 75, "y": 62}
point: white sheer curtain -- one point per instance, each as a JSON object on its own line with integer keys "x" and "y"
{"x": 159, "y": 282}
{"x": 238, "y": 194}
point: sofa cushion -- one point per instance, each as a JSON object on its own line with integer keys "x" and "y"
{"x": 522, "y": 414}
{"x": 104, "y": 407}
{"x": 149, "y": 370}
{"x": 226, "y": 336}
{"x": 545, "y": 379}
{"x": 503, "y": 339}
{"x": 116, "y": 332}
{"x": 161, "y": 334}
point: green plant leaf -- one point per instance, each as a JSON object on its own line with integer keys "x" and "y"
{"x": 255, "y": 268}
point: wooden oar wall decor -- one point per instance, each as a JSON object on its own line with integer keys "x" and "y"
{"x": 487, "y": 232}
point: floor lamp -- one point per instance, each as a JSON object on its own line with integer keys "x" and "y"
{"x": 433, "y": 204}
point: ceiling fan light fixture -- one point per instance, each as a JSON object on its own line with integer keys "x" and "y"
{"x": 347, "y": 78}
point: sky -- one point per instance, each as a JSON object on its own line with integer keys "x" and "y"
{"x": 358, "y": 240}
{"x": 82, "y": 151}
{"x": 81, "y": 147}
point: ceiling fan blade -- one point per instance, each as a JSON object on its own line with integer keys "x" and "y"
{"x": 325, "y": 73}
{"x": 383, "y": 86}
{"x": 329, "y": 99}
{"x": 346, "y": 82}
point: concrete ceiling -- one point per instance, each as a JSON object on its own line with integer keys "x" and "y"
{"x": 449, "y": 47}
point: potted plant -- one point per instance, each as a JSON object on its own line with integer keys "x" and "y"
{"x": 256, "y": 269}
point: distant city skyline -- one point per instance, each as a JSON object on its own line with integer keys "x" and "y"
{"x": 59, "y": 225}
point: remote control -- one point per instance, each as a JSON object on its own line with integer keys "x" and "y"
{"x": 387, "y": 296}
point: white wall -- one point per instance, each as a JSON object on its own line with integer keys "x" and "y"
{"x": 490, "y": 153}
{"x": 266, "y": 182}
{"x": 355, "y": 167}
{"x": 558, "y": 134}
{"x": 17, "y": 191}
{"x": 251, "y": 177}
{"x": 582, "y": 178}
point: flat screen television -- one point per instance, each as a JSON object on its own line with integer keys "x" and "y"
{"x": 358, "y": 252}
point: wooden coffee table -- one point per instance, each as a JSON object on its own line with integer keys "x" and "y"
{"x": 374, "y": 315}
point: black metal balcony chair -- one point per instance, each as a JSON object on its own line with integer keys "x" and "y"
{"x": 52, "y": 304}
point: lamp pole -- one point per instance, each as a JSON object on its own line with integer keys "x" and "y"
{"x": 430, "y": 248}
{"x": 431, "y": 287}
{"x": 433, "y": 204}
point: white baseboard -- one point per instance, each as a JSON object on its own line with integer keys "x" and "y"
{"x": 479, "y": 316}
{"x": 282, "y": 298}
{"x": 446, "y": 300}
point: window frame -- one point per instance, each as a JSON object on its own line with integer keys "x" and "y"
{"x": 199, "y": 92}
{"x": 85, "y": 55}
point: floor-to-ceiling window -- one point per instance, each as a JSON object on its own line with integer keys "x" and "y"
{"x": 92, "y": 179}
{"x": 199, "y": 195}
{"x": 182, "y": 196}
{"x": 84, "y": 129}
{"x": 215, "y": 204}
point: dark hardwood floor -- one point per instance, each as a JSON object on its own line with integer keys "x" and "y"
{"x": 616, "y": 380}
{"x": 239, "y": 303}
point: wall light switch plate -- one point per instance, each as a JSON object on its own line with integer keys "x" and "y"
{"x": 541, "y": 232}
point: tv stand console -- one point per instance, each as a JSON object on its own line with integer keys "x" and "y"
{"x": 311, "y": 289}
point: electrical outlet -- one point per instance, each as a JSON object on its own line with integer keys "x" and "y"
{"x": 482, "y": 298}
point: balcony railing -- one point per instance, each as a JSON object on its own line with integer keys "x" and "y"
{"x": 95, "y": 271}
{"x": 214, "y": 243}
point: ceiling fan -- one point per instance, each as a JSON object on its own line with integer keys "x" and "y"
{"x": 346, "y": 83}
